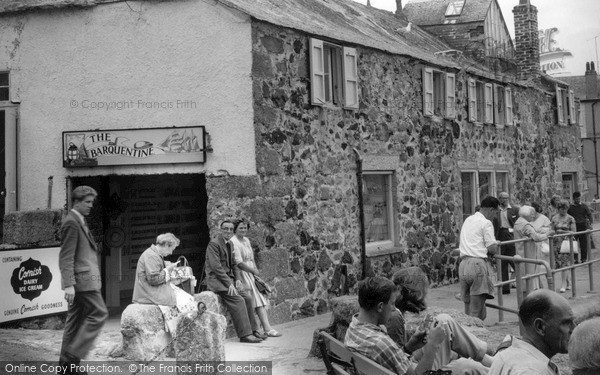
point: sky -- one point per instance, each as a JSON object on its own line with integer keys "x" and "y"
{"x": 577, "y": 22}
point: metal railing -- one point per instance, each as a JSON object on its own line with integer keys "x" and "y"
{"x": 524, "y": 282}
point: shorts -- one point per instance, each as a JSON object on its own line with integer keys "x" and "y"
{"x": 475, "y": 280}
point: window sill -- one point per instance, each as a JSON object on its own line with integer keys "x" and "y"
{"x": 379, "y": 248}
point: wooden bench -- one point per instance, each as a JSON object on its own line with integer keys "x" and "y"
{"x": 339, "y": 360}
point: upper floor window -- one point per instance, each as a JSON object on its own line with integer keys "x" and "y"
{"x": 4, "y": 91}
{"x": 334, "y": 75}
{"x": 478, "y": 184}
{"x": 439, "y": 93}
{"x": 455, "y": 8}
{"x": 490, "y": 103}
{"x": 565, "y": 106}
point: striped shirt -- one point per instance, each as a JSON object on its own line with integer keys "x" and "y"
{"x": 373, "y": 342}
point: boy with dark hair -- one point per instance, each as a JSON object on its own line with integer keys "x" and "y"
{"x": 368, "y": 336}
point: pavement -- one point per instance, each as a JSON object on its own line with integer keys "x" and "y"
{"x": 288, "y": 353}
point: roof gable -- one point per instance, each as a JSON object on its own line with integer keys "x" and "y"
{"x": 433, "y": 12}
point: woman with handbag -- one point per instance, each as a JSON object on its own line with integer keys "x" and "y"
{"x": 155, "y": 282}
{"x": 244, "y": 258}
{"x": 562, "y": 223}
{"x": 542, "y": 225}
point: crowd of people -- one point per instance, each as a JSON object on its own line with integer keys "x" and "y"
{"x": 444, "y": 346}
{"x": 496, "y": 221}
{"x": 378, "y": 330}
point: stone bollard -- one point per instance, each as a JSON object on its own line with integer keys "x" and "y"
{"x": 143, "y": 331}
{"x": 201, "y": 337}
{"x": 342, "y": 308}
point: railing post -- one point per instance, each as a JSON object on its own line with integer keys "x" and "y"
{"x": 518, "y": 280}
{"x": 591, "y": 269}
{"x": 572, "y": 262}
{"x": 500, "y": 296}
{"x": 551, "y": 254}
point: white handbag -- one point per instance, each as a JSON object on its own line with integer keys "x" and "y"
{"x": 565, "y": 246}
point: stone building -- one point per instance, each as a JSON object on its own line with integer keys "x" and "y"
{"x": 344, "y": 133}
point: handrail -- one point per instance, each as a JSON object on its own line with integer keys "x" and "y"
{"x": 549, "y": 270}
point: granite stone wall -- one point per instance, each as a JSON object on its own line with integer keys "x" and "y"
{"x": 303, "y": 203}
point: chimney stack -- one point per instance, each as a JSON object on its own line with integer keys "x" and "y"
{"x": 398, "y": 7}
{"x": 527, "y": 43}
{"x": 591, "y": 81}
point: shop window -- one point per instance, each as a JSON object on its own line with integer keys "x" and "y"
{"x": 565, "y": 106}
{"x": 334, "y": 75}
{"x": 476, "y": 185}
{"x": 4, "y": 86}
{"x": 378, "y": 210}
{"x": 439, "y": 93}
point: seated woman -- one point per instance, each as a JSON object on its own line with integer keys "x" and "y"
{"x": 244, "y": 258}
{"x": 153, "y": 284}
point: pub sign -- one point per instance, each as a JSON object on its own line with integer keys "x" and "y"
{"x": 94, "y": 148}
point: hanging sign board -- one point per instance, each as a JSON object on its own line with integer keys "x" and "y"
{"x": 30, "y": 284}
{"x": 133, "y": 146}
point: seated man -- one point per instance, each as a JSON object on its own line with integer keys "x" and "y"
{"x": 583, "y": 348}
{"x": 367, "y": 334}
{"x": 461, "y": 352}
{"x": 222, "y": 279}
{"x": 547, "y": 320}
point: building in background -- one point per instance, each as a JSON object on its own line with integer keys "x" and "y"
{"x": 587, "y": 89}
{"x": 307, "y": 112}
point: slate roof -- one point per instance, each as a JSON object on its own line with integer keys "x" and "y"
{"x": 350, "y": 22}
{"x": 433, "y": 12}
{"x": 577, "y": 84}
{"x": 346, "y": 21}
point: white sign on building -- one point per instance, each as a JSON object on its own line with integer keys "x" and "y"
{"x": 30, "y": 284}
{"x": 552, "y": 57}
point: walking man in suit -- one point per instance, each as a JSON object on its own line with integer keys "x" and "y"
{"x": 504, "y": 223}
{"x": 221, "y": 278}
{"x": 80, "y": 279}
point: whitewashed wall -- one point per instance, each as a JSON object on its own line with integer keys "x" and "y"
{"x": 135, "y": 52}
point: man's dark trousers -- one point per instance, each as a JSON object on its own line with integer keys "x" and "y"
{"x": 242, "y": 312}
{"x": 85, "y": 319}
{"x": 509, "y": 250}
{"x": 583, "y": 241}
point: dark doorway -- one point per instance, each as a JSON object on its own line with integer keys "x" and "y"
{"x": 142, "y": 207}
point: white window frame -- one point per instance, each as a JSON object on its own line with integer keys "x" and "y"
{"x": 344, "y": 72}
{"x": 7, "y": 86}
{"x": 499, "y": 110}
{"x": 483, "y": 103}
{"x": 476, "y": 199}
{"x": 508, "y": 103}
{"x": 439, "y": 87}
{"x": 382, "y": 247}
{"x": 565, "y": 106}
{"x": 455, "y": 8}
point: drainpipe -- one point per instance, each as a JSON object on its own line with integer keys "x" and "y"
{"x": 595, "y": 145}
{"x": 361, "y": 214}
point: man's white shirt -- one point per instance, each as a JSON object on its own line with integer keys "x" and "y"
{"x": 476, "y": 234}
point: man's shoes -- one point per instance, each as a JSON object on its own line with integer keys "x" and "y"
{"x": 259, "y": 335}
{"x": 505, "y": 291}
{"x": 250, "y": 339}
